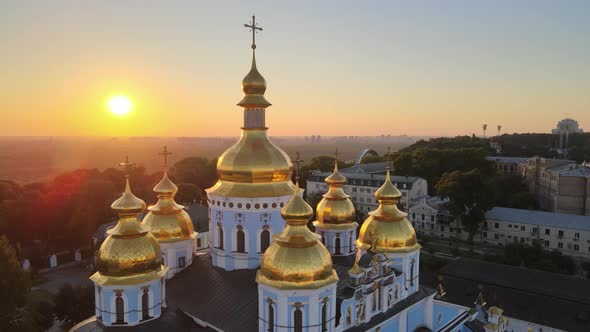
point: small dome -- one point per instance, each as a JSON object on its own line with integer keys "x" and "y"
{"x": 130, "y": 253}
{"x": 254, "y": 86}
{"x": 167, "y": 220}
{"x": 387, "y": 229}
{"x": 296, "y": 259}
{"x": 165, "y": 186}
{"x": 335, "y": 208}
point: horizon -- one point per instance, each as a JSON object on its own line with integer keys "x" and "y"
{"x": 429, "y": 69}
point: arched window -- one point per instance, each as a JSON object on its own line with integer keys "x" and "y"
{"x": 241, "y": 240}
{"x": 298, "y": 320}
{"x": 375, "y": 294}
{"x": 271, "y": 317}
{"x": 145, "y": 305}
{"x": 99, "y": 299}
{"x": 348, "y": 317}
{"x": 350, "y": 244}
{"x": 324, "y": 317}
{"x": 337, "y": 244}
{"x": 120, "y": 310}
{"x": 219, "y": 237}
{"x": 264, "y": 240}
{"x": 396, "y": 295}
{"x": 412, "y": 271}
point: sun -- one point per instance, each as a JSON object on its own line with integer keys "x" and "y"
{"x": 120, "y": 105}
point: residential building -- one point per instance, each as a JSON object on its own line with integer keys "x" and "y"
{"x": 507, "y": 165}
{"x": 560, "y": 185}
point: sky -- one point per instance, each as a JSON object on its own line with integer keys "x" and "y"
{"x": 332, "y": 67}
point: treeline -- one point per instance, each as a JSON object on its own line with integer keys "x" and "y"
{"x": 63, "y": 213}
{"x": 545, "y": 145}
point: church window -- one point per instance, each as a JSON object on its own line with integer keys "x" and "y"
{"x": 145, "y": 305}
{"x": 282, "y": 204}
{"x": 181, "y": 261}
{"x": 241, "y": 240}
{"x": 324, "y": 317}
{"x": 323, "y": 240}
{"x": 239, "y": 205}
{"x": 412, "y": 271}
{"x": 248, "y": 206}
{"x": 271, "y": 316}
{"x": 396, "y": 294}
{"x": 219, "y": 237}
{"x": 337, "y": 244}
{"x": 99, "y": 302}
{"x": 265, "y": 205}
{"x": 231, "y": 205}
{"x": 350, "y": 244}
{"x": 348, "y": 317}
{"x": 274, "y": 205}
{"x": 375, "y": 300}
{"x": 298, "y": 320}
{"x": 120, "y": 309}
{"x": 224, "y": 204}
{"x": 257, "y": 206}
{"x": 199, "y": 244}
{"x": 264, "y": 240}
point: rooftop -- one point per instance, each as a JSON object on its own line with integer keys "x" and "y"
{"x": 541, "y": 218}
{"x": 506, "y": 160}
{"x": 550, "y": 299}
{"x": 571, "y": 170}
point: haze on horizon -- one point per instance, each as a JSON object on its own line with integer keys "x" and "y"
{"x": 332, "y": 68}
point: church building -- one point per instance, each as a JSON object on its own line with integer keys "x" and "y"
{"x": 266, "y": 270}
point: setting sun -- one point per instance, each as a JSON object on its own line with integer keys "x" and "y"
{"x": 120, "y": 105}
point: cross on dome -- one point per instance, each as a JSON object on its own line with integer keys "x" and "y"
{"x": 126, "y": 165}
{"x": 165, "y": 154}
{"x": 254, "y": 28}
{"x": 297, "y": 161}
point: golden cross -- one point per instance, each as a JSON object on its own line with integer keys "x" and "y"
{"x": 127, "y": 165}
{"x": 298, "y": 162}
{"x": 336, "y": 154}
{"x": 165, "y": 153}
{"x": 388, "y": 155}
{"x": 254, "y": 28}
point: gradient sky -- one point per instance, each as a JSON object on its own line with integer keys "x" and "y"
{"x": 332, "y": 67}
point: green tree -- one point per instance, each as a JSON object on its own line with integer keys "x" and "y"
{"x": 199, "y": 171}
{"x": 188, "y": 193}
{"x": 14, "y": 287}
{"x": 74, "y": 304}
{"x": 511, "y": 191}
{"x": 470, "y": 197}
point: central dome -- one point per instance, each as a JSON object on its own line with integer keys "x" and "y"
{"x": 253, "y": 167}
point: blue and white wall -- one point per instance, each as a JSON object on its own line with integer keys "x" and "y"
{"x": 286, "y": 302}
{"x": 106, "y": 298}
{"x": 346, "y": 235}
{"x": 252, "y": 216}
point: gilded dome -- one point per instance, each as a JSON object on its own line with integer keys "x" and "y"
{"x": 296, "y": 259}
{"x": 130, "y": 253}
{"x": 253, "y": 167}
{"x": 167, "y": 220}
{"x": 254, "y": 86}
{"x": 335, "y": 208}
{"x": 387, "y": 229}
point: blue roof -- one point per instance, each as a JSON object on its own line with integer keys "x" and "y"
{"x": 542, "y": 218}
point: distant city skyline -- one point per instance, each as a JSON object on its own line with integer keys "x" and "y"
{"x": 420, "y": 68}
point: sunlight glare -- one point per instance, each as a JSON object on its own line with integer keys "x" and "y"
{"x": 120, "y": 105}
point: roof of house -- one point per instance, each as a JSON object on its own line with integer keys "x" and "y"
{"x": 171, "y": 319}
{"x": 555, "y": 300}
{"x": 541, "y": 218}
{"x": 570, "y": 170}
{"x": 506, "y": 160}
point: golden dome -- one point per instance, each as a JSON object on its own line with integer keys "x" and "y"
{"x": 296, "y": 259}
{"x": 130, "y": 253}
{"x": 387, "y": 229}
{"x": 335, "y": 208}
{"x": 167, "y": 220}
{"x": 254, "y": 86}
{"x": 253, "y": 167}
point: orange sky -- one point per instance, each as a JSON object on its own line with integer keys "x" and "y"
{"x": 391, "y": 68}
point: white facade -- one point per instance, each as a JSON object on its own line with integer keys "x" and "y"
{"x": 240, "y": 229}
{"x": 178, "y": 255}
